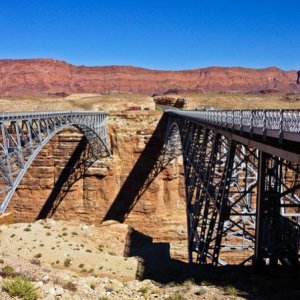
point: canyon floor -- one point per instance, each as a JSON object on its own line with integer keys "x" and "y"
{"x": 69, "y": 260}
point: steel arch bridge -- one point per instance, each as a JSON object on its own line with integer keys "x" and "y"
{"x": 23, "y": 135}
{"x": 242, "y": 182}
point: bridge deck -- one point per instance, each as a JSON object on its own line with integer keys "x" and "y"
{"x": 278, "y": 124}
{"x": 14, "y": 116}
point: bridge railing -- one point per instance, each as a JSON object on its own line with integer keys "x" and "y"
{"x": 274, "y": 123}
{"x": 12, "y": 116}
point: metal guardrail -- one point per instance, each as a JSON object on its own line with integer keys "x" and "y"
{"x": 282, "y": 124}
{"x": 12, "y": 116}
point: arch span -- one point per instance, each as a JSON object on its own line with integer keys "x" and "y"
{"x": 23, "y": 135}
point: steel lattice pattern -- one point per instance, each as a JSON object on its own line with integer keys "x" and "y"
{"x": 23, "y": 135}
{"x": 242, "y": 178}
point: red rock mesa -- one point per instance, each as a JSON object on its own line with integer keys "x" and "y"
{"x": 43, "y": 76}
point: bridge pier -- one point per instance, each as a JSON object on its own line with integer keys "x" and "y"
{"x": 242, "y": 177}
{"x": 277, "y": 237}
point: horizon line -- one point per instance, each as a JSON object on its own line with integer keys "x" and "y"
{"x": 145, "y": 68}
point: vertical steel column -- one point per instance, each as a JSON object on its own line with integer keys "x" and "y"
{"x": 222, "y": 203}
{"x": 187, "y": 139}
{"x": 206, "y": 197}
{"x": 261, "y": 212}
{"x": 277, "y": 237}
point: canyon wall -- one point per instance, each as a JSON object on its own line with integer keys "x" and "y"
{"x": 122, "y": 187}
{"x": 42, "y": 76}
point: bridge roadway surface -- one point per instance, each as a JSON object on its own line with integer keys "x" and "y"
{"x": 241, "y": 174}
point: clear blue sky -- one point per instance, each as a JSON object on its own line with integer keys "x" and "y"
{"x": 165, "y": 34}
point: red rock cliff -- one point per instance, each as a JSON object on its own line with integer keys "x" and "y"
{"x": 57, "y": 186}
{"x": 40, "y": 76}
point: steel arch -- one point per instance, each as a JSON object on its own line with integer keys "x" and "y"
{"x": 23, "y": 135}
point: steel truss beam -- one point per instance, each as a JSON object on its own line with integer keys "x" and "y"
{"x": 238, "y": 198}
{"x": 23, "y": 135}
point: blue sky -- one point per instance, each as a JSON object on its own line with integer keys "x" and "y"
{"x": 154, "y": 34}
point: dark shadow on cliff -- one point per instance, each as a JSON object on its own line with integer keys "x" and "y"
{"x": 271, "y": 283}
{"x": 150, "y": 163}
{"x": 81, "y": 159}
{"x": 298, "y": 77}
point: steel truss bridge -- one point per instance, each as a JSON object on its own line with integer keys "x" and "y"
{"x": 242, "y": 179}
{"x": 23, "y": 135}
{"x": 242, "y": 175}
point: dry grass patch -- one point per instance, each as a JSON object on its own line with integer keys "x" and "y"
{"x": 20, "y": 287}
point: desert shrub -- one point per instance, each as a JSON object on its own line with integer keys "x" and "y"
{"x": 69, "y": 286}
{"x": 92, "y": 285}
{"x": 67, "y": 262}
{"x": 230, "y": 290}
{"x": 20, "y": 287}
{"x": 36, "y": 261}
{"x": 8, "y": 270}
{"x": 144, "y": 290}
{"x": 176, "y": 296}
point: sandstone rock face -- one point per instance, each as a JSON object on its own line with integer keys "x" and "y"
{"x": 42, "y": 76}
{"x": 121, "y": 187}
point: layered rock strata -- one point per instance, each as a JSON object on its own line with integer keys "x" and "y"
{"x": 47, "y": 76}
{"x": 122, "y": 187}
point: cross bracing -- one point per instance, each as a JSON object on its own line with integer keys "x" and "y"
{"x": 23, "y": 135}
{"x": 242, "y": 179}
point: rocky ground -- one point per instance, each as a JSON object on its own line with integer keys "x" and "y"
{"x": 54, "y": 283}
{"x": 68, "y": 260}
